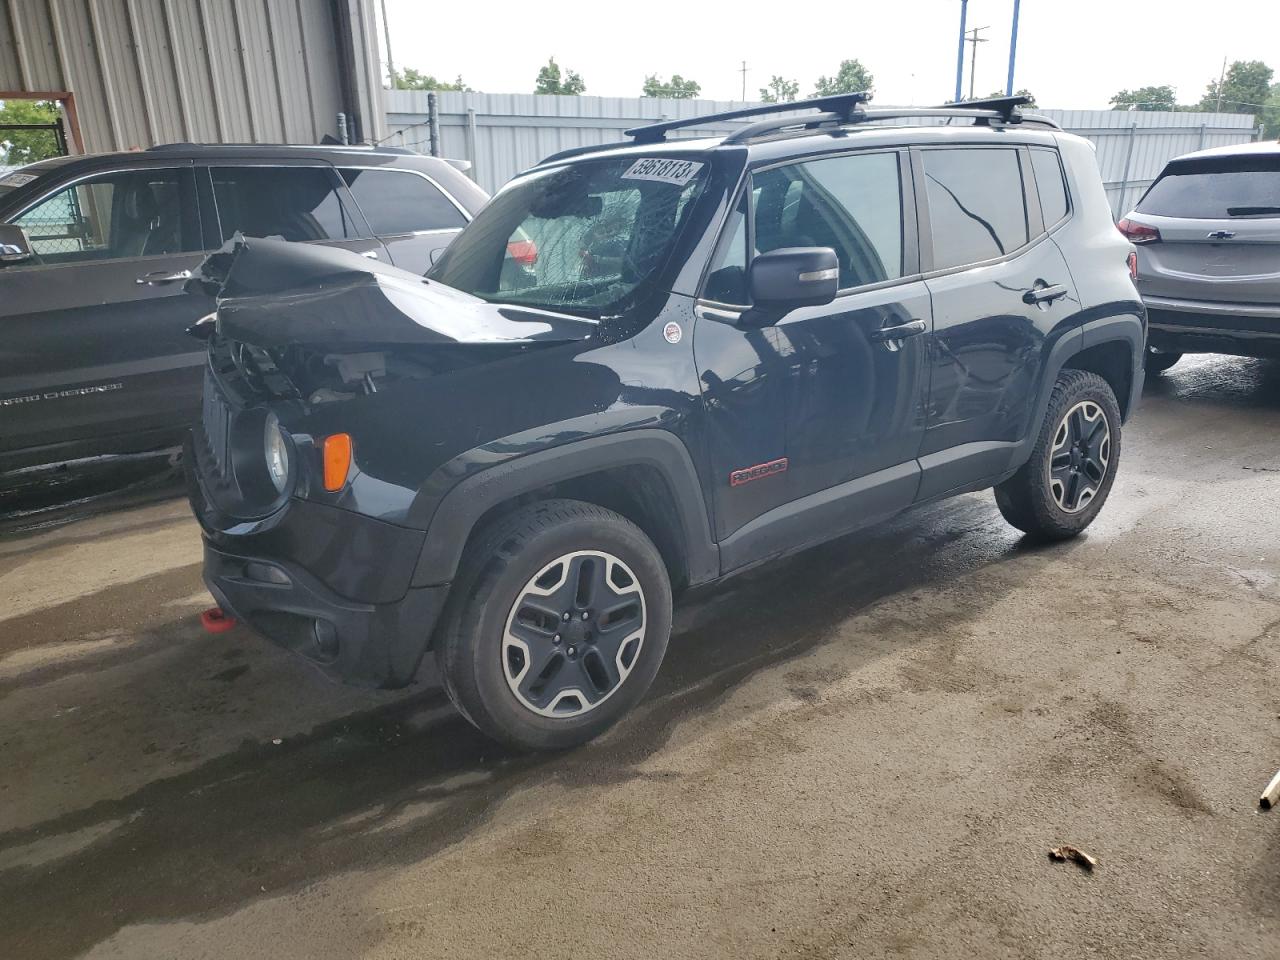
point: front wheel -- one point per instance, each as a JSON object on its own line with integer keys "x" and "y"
{"x": 1157, "y": 361}
{"x": 1058, "y": 492}
{"x": 559, "y": 620}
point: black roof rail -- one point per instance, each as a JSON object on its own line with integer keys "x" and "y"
{"x": 1007, "y": 107}
{"x": 352, "y": 147}
{"x": 841, "y": 105}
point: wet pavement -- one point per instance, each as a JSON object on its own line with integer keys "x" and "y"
{"x": 863, "y": 751}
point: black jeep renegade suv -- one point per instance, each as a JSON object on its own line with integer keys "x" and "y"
{"x": 644, "y": 367}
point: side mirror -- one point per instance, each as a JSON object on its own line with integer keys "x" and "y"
{"x": 14, "y": 245}
{"x": 782, "y": 280}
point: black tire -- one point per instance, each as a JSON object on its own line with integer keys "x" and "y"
{"x": 475, "y": 653}
{"x": 1156, "y": 361}
{"x": 1035, "y": 499}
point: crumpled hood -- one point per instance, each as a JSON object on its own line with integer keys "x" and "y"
{"x": 273, "y": 293}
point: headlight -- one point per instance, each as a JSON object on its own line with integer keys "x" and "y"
{"x": 277, "y": 451}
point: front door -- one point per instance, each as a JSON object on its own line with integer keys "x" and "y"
{"x": 1006, "y": 293}
{"x": 93, "y": 326}
{"x": 816, "y": 422}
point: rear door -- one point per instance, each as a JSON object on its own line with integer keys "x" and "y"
{"x": 93, "y": 328}
{"x": 408, "y": 211}
{"x": 1001, "y": 293}
{"x": 1219, "y": 223}
{"x": 298, "y": 201}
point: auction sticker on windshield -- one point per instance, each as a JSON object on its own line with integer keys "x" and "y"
{"x": 678, "y": 172}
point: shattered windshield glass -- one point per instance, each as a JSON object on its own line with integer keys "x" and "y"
{"x": 580, "y": 238}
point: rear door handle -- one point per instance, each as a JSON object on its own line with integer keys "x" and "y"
{"x": 1044, "y": 294}
{"x": 900, "y": 331}
{"x": 164, "y": 276}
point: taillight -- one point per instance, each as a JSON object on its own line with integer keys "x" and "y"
{"x": 1133, "y": 265}
{"x": 1138, "y": 232}
{"x": 337, "y": 461}
{"x": 524, "y": 252}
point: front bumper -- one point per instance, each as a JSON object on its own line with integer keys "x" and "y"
{"x": 371, "y": 644}
{"x": 1190, "y": 326}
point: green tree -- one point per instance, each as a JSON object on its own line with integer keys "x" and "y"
{"x": 27, "y": 146}
{"x": 411, "y": 79}
{"x": 551, "y": 81}
{"x": 1161, "y": 98}
{"x": 1271, "y": 114}
{"x": 1244, "y": 89}
{"x": 852, "y": 77}
{"x": 677, "y": 88}
{"x": 780, "y": 90}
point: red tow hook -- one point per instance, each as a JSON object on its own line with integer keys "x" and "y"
{"x": 215, "y": 620}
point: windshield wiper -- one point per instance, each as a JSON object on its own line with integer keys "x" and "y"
{"x": 1250, "y": 211}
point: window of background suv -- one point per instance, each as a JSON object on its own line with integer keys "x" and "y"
{"x": 1050, "y": 184}
{"x": 398, "y": 202}
{"x": 851, "y": 203}
{"x": 977, "y": 207}
{"x": 293, "y": 203}
{"x": 1216, "y": 188}
{"x": 135, "y": 213}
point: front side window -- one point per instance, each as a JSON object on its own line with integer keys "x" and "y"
{"x": 977, "y": 208}
{"x": 138, "y": 213}
{"x": 852, "y": 204}
{"x": 583, "y": 237}
{"x": 727, "y": 277}
{"x": 401, "y": 202}
{"x": 291, "y": 203}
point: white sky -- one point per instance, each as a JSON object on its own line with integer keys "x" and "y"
{"x": 1072, "y": 54}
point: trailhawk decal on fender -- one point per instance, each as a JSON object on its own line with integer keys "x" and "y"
{"x": 678, "y": 172}
{"x": 759, "y": 471}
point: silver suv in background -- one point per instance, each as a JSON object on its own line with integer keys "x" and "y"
{"x": 1208, "y": 240}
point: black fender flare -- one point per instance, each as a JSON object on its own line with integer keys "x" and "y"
{"x": 462, "y": 507}
{"x": 1125, "y": 327}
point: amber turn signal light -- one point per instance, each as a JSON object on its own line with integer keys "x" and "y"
{"x": 337, "y": 460}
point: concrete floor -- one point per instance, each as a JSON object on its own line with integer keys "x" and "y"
{"x": 864, "y": 751}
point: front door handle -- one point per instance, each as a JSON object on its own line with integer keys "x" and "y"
{"x": 899, "y": 331}
{"x": 1044, "y": 294}
{"x": 164, "y": 276}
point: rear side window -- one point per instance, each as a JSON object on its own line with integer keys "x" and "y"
{"x": 1050, "y": 185}
{"x": 977, "y": 208}
{"x": 1216, "y": 189}
{"x": 292, "y": 203}
{"x": 852, "y": 204}
{"x": 140, "y": 213}
{"x": 397, "y": 202}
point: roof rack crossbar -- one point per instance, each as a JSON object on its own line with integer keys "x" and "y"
{"x": 1007, "y": 107}
{"x": 842, "y": 104}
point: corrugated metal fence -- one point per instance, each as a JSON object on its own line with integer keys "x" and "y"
{"x": 502, "y": 134}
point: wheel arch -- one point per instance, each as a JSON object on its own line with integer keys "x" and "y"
{"x": 645, "y": 475}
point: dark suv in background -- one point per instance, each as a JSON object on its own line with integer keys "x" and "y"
{"x": 95, "y": 250}
{"x": 644, "y": 367}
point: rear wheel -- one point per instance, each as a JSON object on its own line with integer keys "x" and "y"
{"x": 1157, "y": 361}
{"x": 561, "y": 619}
{"x": 1058, "y": 492}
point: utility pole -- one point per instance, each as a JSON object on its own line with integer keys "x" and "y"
{"x": 973, "y": 59}
{"x": 386, "y": 32}
{"x": 744, "y": 81}
{"x": 964, "y": 9}
{"x": 1222, "y": 78}
{"x": 1013, "y": 49}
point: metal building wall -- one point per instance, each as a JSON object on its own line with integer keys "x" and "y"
{"x": 502, "y": 134}
{"x": 220, "y": 71}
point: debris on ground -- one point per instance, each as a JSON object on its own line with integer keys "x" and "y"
{"x": 1271, "y": 795}
{"x": 1074, "y": 854}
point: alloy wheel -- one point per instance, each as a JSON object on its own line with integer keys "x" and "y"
{"x": 573, "y": 634}
{"x": 1079, "y": 456}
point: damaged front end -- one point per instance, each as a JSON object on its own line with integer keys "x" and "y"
{"x": 310, "y": 344}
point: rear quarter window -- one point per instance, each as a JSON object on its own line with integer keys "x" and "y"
{"x": 1050, "y": 184}
{"x": 1216, "y": 189}
{"x": 397, "y": 202}
{"x": 977, "y": 208}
